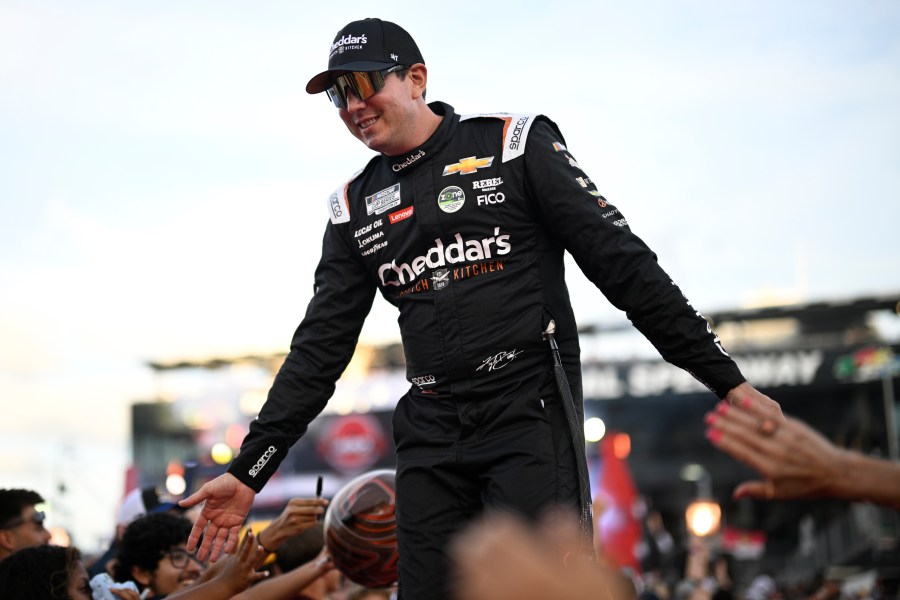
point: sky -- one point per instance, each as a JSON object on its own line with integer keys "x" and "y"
{"x": 164, "y": 177}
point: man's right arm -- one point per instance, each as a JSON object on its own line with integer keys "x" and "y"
{"x": 320, "y": 350}
{"x": 322, "y": 346}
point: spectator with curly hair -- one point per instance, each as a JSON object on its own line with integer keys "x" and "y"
{"x": 44, "y": 572}
{"x": 153, "y": 554}
{"x": 21, "y": 525}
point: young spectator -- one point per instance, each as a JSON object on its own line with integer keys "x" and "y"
{"x": 137, "y": 503}
{"x": 21, "y": 525}
{"x": 46, "y": 572}
{"x": 153, "y": 554}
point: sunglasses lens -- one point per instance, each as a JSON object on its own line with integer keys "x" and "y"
{"x": 362, "y": 84}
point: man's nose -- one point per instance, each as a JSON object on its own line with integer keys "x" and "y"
{"x": 353, "y": 101}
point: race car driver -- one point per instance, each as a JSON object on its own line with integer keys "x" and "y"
{"x": 461, "y": 222}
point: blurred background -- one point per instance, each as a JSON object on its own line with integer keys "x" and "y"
{"x": 163, "y": 184}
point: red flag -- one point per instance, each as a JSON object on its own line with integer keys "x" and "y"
{"x": 619, "y": 530}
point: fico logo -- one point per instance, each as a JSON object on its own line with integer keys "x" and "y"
{"x": 352, "y": 443}
{"x": 491, "y": 198}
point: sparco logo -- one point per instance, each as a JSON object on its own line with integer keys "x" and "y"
{"x": 423, "y": 380}
{"x": 517, "y": 133}
{"x": 336, "y": 206}
{"x": 409, "y": 160}
{"x": 439, "y": 256}
{"x": 262, "y": 461}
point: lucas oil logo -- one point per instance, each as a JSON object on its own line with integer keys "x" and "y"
{"x": 451, "y": 199}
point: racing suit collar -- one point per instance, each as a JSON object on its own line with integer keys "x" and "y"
{"x": 406, "y": 163}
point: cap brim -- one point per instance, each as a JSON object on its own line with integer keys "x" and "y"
{"x": 320, "y": 82}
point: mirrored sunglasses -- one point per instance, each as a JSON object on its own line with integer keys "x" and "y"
{"x": 363, "y": 84}
{"x": 37, "y": 518}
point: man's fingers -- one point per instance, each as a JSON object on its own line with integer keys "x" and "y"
{"x": 194, "y": 499}
{"x": 196, "y": 533}
{"x": 231, "y": 539}
{"x": 206, "y": 544}
{"x": 218, "y": 543}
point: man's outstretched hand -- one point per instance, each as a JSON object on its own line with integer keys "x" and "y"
{"x": 227, "y": 503}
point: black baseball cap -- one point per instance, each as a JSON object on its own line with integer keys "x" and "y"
{"x": 367, "y": 45}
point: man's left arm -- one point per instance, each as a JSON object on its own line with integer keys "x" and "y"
{"x": 623, "y": 267}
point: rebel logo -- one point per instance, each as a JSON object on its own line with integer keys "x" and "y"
{"x": 352, "y": 443}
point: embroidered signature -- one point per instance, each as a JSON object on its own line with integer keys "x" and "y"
{"x": 500, "y": 360}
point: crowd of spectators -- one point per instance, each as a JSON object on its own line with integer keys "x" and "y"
{"x": 497, "y": 558}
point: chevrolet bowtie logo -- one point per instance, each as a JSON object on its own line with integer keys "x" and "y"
{"x": 467, "y": 166}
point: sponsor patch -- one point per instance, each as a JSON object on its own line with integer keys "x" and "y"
{"x": 491, "y": 198}
{"x": 467, "y": 166}
{"x": 337, "y": 208}
{"x": 487, "y": 184}
{"x": 440, "y": 278}
{"x": 409, "y": 161}
{"x": 451, "y": 199}
{"x": 400, "y": 215}
{"x": 600, "y": 199}
{"x": 439, "y": 256}
{"x": 384, "y": 200}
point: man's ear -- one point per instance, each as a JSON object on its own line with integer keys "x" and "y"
{"x": 6, "y": 540}
{"x": 141, "y": 575}
{"x": 418, "y": 78}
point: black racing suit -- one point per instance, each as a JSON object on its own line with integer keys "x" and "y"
{"x": 465, "y": 235}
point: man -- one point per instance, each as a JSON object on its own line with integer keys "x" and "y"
{"x": 461, "y": 223}
{"x": 152, "y": 553}
{"x": 21, "y": 525}
{"x": 137, "y": 503}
